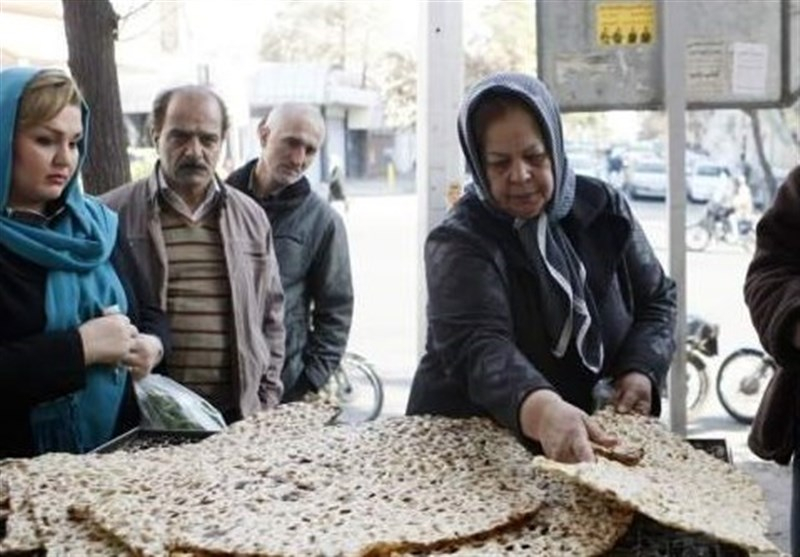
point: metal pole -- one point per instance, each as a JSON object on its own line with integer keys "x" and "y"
{"x": 439, "y": 91}
{"x": 674, "y": 58}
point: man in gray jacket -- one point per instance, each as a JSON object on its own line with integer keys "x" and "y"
{"x": 310, "y": 242}
{"x": 208, "y": 252}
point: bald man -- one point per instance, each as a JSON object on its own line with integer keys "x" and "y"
{"x": 310, "y": 244}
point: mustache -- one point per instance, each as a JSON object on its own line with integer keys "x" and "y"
{"x": 193, "y": 164}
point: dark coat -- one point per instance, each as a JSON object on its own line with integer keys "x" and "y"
{"x": 314, "y": 261}
{"x": 772, "y": 286}
{"x": 40, "y": 366}
{"x": 487, "y": 348}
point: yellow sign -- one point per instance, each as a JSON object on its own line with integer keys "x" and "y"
{"x": 625, "y": 23}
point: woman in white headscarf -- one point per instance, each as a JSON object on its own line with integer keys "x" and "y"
{"x": 540, "y": 285}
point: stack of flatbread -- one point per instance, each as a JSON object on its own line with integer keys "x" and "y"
{"x": 287, "y": 483}
{"x": 674, "y": 484}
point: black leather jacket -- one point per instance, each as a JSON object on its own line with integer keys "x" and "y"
{"x": 486, "y": 346}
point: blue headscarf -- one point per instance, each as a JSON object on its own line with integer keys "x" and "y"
{"x": 75, "y": 248}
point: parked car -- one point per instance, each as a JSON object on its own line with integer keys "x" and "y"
{"x": 705, "y": 179}
{"x": 646, "y": 178}
{"x": 584, "y": 163}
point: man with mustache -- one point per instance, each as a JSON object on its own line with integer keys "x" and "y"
{"x": 310, "y": 242}
{"x": 208, "y": 252}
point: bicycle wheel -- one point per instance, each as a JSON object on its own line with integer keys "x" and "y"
{"x": 741, "y": 381}
{"x": 696, "y": 385}
{"x": 697, "y": 237}
{"x": 359, "y": 391}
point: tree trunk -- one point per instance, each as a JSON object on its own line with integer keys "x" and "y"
{"x": 792, "y": 130}
{"x": 91, "y": 29}
{"x": 766, "y": 167}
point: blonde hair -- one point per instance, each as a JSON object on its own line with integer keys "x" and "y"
{"x": 47, "y": 94}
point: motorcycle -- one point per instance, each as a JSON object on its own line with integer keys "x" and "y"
{"x": 701, "y": 343}
{"x": 720, "y": 224}
{"x": 741, "y": 379}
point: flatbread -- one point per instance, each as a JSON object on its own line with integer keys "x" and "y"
{"x": 675, "y": 484}
{"x": 55, "y": 481}
{"x": 340, "y": 490}
{"x": 629, "y": 455}
{"x": 285, "y": 483}
{"x": 573, "y": 521}
{"x": 21, "y": 534}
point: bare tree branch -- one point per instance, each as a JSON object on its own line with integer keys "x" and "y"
{"x": 766, "y": 167}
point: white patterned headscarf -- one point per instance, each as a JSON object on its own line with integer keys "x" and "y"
{"x": 566, "y": 302}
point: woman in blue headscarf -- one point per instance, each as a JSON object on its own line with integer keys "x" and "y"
{"x": 69, "y": 295}
{"x": 541, "y": 284}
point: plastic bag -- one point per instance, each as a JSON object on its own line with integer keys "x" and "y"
{"x": 167, "y": 405}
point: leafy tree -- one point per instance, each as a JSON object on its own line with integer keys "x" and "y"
{"x": 507, "y": 41}
{"x": 397, "y": 74}
{"x": 345, "y": 35}
{"x": 334, "y": 33}
{"x": 91, "y": 29}
{"x": 348, "y": 35}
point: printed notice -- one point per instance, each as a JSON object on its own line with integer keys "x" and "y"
{"x": 705, "y": 69}
{"x": 625, "y": 23}
{"x": 749, "y": 75}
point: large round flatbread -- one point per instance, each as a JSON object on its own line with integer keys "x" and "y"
{"x": 39, "y": 492}
{"x": 675, "y": 484}
{"x": 399, "y": 483}
{"x": 47, "y": 485}
{"x": 573, "y": 521}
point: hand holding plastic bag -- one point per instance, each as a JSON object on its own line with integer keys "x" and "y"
{"x": 167, "y": 405}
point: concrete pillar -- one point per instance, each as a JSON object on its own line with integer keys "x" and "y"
{"x": 674, "y": 56}
{"x": 439, "y": 92}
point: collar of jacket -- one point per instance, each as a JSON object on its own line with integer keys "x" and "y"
{"x": 153, "y": 189}
{"x": 591, "y": 202}
{"x": 291, "y": 195}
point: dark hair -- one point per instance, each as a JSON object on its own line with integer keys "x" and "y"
{"x": 493, "y": 107}
{"x": 161, "y": 103}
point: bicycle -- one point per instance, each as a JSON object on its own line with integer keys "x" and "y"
{"x": 741, "y": 378}
{"x": 355, "y": 388}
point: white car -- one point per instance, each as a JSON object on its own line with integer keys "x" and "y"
{"x": 646, "y": 178}
{"x": 706, "y": 179}
{"x": 584, "y": 163}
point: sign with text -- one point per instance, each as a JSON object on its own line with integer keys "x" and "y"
{"x": 625, "y": 23}
{"x": 608, "y": 54}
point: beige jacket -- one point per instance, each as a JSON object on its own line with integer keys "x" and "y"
{"x": 256, "y": 293}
